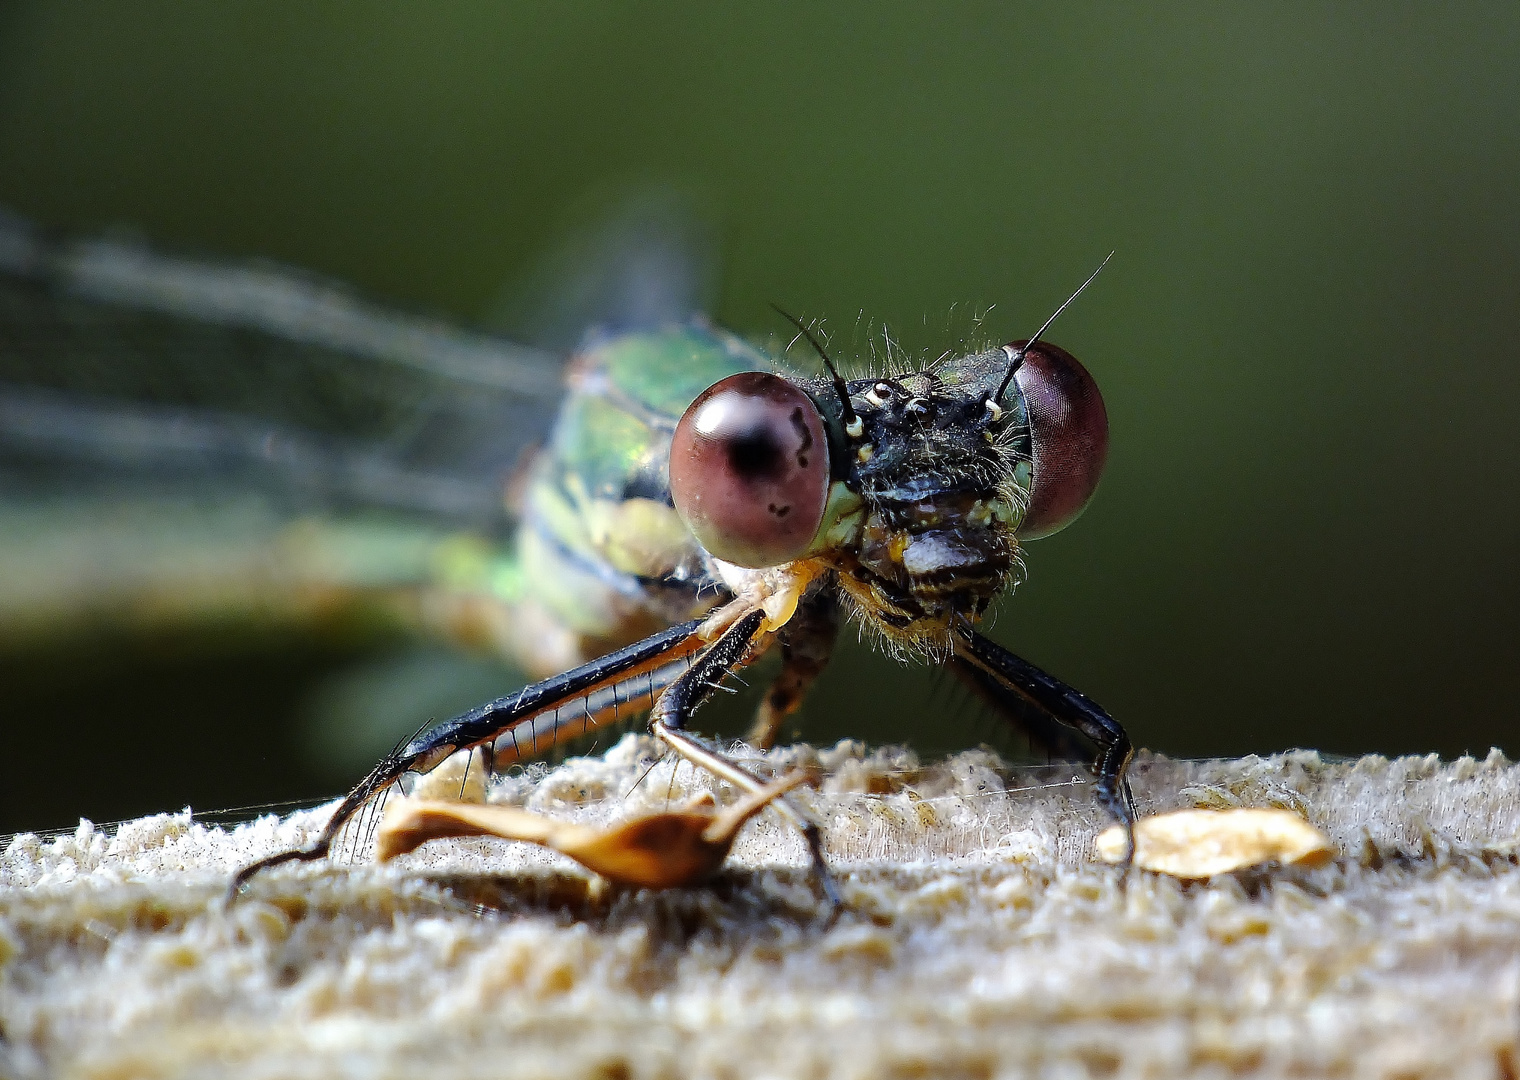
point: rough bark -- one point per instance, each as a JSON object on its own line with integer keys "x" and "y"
{"x": 980, "y": 939}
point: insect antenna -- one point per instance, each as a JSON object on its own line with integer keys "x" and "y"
{"x": 1016, "y": 358}
{"x": 851, "y": 421}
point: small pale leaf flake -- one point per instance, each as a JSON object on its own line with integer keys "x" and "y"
{"x": 1202, "y": 843}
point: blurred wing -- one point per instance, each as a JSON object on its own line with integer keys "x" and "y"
{"x": 647, "y": 259}
{"x": 197, "y": 435}
{"x": 119, "y": 364}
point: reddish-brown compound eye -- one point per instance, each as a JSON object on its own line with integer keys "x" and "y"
{"x": 1068, "y": 426}
{"x": 749, "y": 469}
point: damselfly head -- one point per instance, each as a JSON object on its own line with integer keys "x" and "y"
{"x": 915, "y": 488}
{"x": 954, "y": 465}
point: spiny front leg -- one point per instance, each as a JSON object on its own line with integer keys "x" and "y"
{"x": 1068, "y": 706}
{"x": 683, "y": 697}
{"x": 624, "y": 680}
{"x": 1045, "y": 733}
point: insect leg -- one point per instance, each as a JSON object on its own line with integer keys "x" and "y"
{"x": 684, "y": 696}
{"x": 806, "y": 641}
{"x": 656, "y": 654}
{"x": 1066, "y": 705}
{"x": 1044, "y": 731}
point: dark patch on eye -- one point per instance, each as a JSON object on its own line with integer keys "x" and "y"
{"x": 755, "y": 454}
{"x": 779, "y": 511}
{"x": 800, "y": 423}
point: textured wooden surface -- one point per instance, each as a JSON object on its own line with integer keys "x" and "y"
{"x": 980, "y": 939}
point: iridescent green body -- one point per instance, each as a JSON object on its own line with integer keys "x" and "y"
{"x": 601, "y": 557}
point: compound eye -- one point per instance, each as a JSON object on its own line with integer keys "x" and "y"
{"x": 1068, "y": 426}
{"x": 749, "y": 470}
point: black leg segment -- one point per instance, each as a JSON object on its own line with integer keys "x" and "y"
{"x": 647, "y": 666}
{"x": 1046, "y": 734}
{"x": 684, "y": 696}
{"x": 997, "y": 666}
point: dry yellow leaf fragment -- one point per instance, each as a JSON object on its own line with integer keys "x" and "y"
{"x": 1202, "y": 843}
{"x": 658, "y": 851}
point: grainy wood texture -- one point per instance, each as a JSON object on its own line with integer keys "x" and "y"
{"x": 979, "y": 939}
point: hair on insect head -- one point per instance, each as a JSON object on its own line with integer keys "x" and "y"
{"x": 852, "y": 425}
{"x": 1016, "y": 354}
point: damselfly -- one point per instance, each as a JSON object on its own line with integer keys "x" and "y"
{"x": 694, "y": 506}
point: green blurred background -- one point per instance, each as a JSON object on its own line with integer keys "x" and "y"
{"x": 1307, "y": 535}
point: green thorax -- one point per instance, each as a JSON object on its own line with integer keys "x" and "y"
{"x": 601, "y": 547}
{"x": 625, "y": 396}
